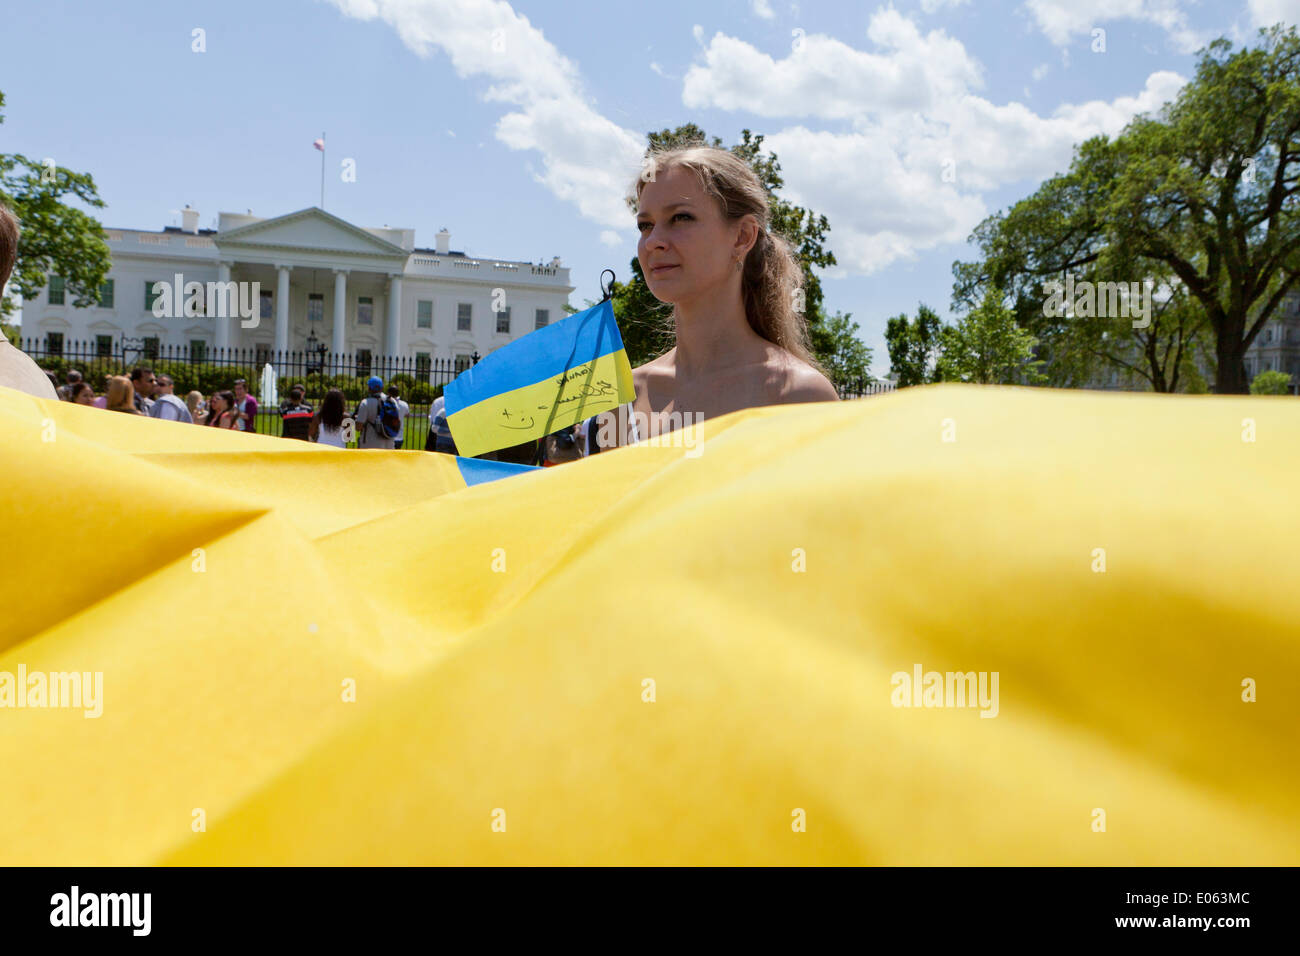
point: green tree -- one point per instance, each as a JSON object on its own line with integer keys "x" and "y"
{"x": 988, "y": 347}
{"x": 647, "y": 322}
{"x": 1271, "y": 383}
{"x": 57, "y": 239}
{"x": 849, "y": 358}
{"x": 914, "y": 346}
{"x": 1204, "y": 191}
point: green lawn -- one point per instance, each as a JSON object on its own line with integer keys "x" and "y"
{"x": 417, "y": 425}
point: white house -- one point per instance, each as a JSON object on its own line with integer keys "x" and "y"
{"x": 322, "y": 280}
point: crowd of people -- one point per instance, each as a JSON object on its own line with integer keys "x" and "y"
{"x": 378, "y": 421}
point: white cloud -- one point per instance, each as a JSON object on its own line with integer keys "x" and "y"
{"x": 915, "y": 117}
{"x": 914, "y": 73}
{"x": 1265, "y": 13}
{"x": 1040, "y": 71}
{"x": 610, "y": 238}
{"x": 1062, "y": 20}
{"x": 930, "y": 6}
{"x": 762, "y": 8}
{"x": 883, "y": 206}
{"x": 587, "y": 159}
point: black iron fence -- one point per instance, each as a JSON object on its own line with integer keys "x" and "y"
{"x": 419, "y": 380}
{"x": 864, "y": 387}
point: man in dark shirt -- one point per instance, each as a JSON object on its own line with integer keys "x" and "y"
{"x": 143, "y": 381}
{"x": 295, "y": 415}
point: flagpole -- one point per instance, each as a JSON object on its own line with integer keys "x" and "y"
{"x": 322, "y": 171}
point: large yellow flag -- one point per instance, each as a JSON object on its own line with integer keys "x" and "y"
{"x": 948, "y": 625}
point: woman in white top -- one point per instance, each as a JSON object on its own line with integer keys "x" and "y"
{"x": 327, "y": 425}
{"x": 705, "y": 249}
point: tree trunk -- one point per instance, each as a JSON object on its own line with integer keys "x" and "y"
{"x": 1231, "y": 376}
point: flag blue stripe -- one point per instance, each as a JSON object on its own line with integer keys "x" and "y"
{"x": 475, "y": 471}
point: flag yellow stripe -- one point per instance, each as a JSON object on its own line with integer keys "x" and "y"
{"x": 543, "y": 407}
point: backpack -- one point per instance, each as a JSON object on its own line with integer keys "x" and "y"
{"x": 389, "y": 420}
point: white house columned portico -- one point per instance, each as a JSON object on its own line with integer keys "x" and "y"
{"x": 321, "y": 281}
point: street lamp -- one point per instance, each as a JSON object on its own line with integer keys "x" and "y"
{"x": 315, "y": 353}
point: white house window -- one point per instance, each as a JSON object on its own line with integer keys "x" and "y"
{"x": 463, "y": 313}
{"x": 106, "y": 294}
{"x": 151, "y": 348}
{"x": 503, "y": 320}
{"x": 422, "y": 366}
{"x": 57, "y": 287}
{"x": 150, "y": 296}
{"x": 54, "y": 343}
{"x": 463, "y": 362}
{"x": 424, "y": 314}
{"x": 265, "y": 305}
{"x": 365, "y": 310}
{"x": 315, "y": 307}
{"x": 198, "y": 350}
{"x": 542, "y": 317}
{"x": 103, "y": 346}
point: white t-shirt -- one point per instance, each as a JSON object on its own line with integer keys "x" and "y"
{"x": 435, "y": 409}
{"x": 367, "y": 434}
{"x": 19, "y": 370}
{"x": 403, "y": 410}
{"x": 330, "y": 435}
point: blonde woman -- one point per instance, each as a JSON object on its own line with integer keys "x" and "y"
{"x": 198, "y": 408}
{"x": 705, "y": 249}
{"x": 121, "y": 395}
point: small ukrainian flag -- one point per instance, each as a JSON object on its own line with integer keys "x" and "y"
{"x": 549, "y": 379}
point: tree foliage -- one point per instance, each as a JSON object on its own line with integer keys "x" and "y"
{"x": 914, "y": 346}
{"x": 987, "y": 347}
{"x": 57, "y": 239}
{"x": 1203, "y": 193}
{"x": 848, "y": 359}
{"x": 1271, "y": 383}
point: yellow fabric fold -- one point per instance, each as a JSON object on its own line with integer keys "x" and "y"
{"x": 664, "y": 654}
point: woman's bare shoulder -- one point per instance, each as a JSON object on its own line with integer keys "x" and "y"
{"x": 658, "y": 370}
{"x": 800, "y": 382}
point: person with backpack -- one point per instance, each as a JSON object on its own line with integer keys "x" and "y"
{"x": 403, "y": 410}
{"x": 379, "y": 421}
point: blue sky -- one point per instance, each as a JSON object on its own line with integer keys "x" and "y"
{"x": 519, "y": 125}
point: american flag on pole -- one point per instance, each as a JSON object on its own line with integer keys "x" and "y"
{"x": 319, "y": 144}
